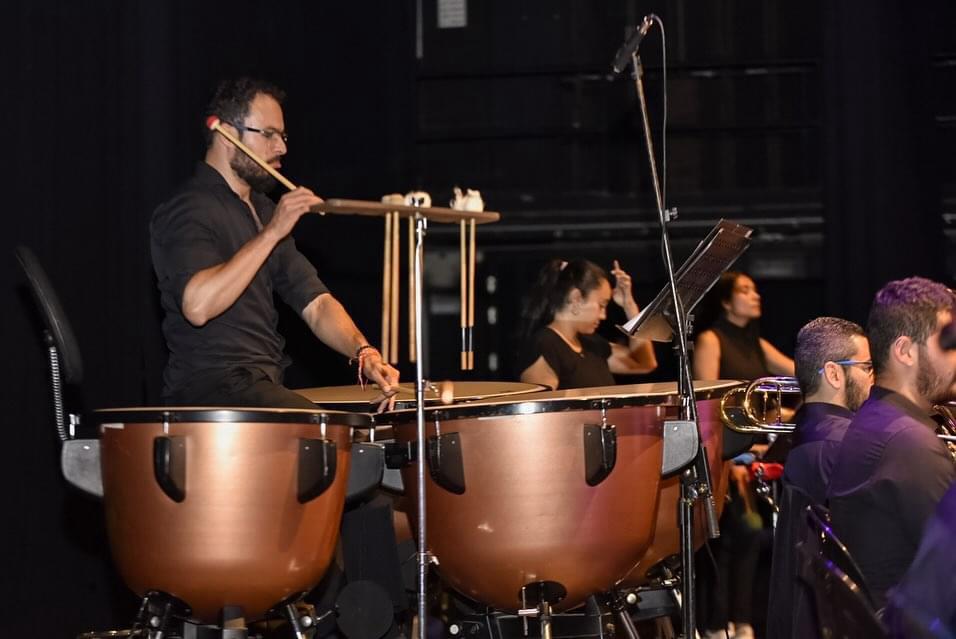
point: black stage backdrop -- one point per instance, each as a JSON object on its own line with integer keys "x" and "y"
{"x": 102, "y": 118}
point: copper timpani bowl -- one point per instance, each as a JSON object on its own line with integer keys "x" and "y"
{"x": 224, "y": 506}
{"x": 512, "y": 497}
{"x": 665, "y": 540}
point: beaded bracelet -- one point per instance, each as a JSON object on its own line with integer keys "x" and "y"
{"x": 363, "y": 347}
{"x": 360, "y": 356}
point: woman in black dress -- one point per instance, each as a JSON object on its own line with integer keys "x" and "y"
{"x": 731, "y": 348}
{"x": 560, "y": 346}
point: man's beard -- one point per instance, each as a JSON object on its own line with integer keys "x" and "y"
{"x": 929, "y": 384}
{"x": 253, "y": 174}
{"x": 855, "y": 395}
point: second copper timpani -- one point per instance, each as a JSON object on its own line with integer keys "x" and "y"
{"x": 558, "y": 487}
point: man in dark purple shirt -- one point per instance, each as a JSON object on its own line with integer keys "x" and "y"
{"x": 221, "y": 249}
{"x": 891, "y": 470}
{"x": 833, "y": 367}
{"x": 835, "y": 373}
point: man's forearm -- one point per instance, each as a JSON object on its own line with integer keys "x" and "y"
{"x": 331, "y": 323}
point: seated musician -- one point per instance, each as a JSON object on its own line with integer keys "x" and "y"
{"x": 835, "y": 373}
{"x": 891, "y": 469}
{"x": 221, "y": 248}
{"x": 560, "y": 346}
{"x": 730, "y": 347}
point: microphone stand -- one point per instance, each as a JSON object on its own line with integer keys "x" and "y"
{"x": 695, "y": 479}
{"x": 424, "y": 556}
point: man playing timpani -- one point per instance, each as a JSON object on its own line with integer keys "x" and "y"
{"x": 220, "y": 249}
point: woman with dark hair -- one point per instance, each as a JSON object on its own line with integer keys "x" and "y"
{"x": 732, "y": 347}
{"x": 560, "y": 347}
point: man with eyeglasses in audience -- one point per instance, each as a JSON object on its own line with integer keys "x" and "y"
{"x": 833, "y": 367}
{"x": 221, "y": 248}
{"x": 891, "y": 469}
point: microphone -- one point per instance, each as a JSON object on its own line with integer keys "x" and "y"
{"x": 623, "y": 56}
{"x": 947, "y": 337}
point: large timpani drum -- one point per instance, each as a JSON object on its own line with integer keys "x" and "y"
{"x": 559, "y": 488}
{"x": 224, "y": 506}
{"x": 365, "y": 400}
{"x": 666, "y": 538}
{"x": 356, "y": 398}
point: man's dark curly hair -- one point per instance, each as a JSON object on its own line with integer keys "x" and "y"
{"x": 904, "y": 307}
{"x": 230, "y": 102}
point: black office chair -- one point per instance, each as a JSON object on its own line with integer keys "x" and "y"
{"x": 844, "y": 608}
{"x": 790, "y": 611}
{"x": 66, "y": 365}
{"x": 79, "y": 458}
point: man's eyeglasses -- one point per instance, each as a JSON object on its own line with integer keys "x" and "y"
{"x": 865, "y": 365}
{"x": 268, "y": 134}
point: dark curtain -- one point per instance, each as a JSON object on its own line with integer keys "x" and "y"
{"x": 102, "y": 117}
{"x": 882, "y": 157}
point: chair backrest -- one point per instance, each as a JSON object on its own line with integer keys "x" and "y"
{"x": 790, "y": 611}
{"x": 842, "y": 610}
{"x": 833, "y": 550}
{"x": 71, "y": 365}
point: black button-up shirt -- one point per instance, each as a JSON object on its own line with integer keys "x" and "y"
{"x": 204, "y": 224}
{"x": 820, "y": 427}
{"x": 891, "y": 472}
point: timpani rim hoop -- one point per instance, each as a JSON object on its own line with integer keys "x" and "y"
{"x": 230, "y": 414}
{"x": 627, "y": 395}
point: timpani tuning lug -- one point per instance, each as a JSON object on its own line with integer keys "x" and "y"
{"x": 316, "y": 468}
{"x": 445, "y": 463}
{"x": 600, "y": 451}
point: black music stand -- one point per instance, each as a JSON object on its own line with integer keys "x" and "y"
{"x": 660, "y": 321}
{"x": 715, "y": 254}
